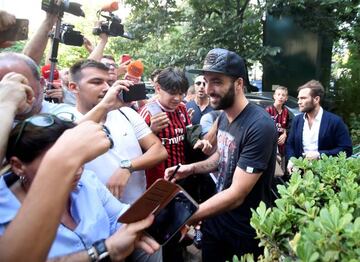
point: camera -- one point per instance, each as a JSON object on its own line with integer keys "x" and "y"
{"x": 50, "y": 6}
{"x": 69, "y": 36}
{"x": 112, "y": 26}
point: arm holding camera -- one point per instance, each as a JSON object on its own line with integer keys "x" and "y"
{"x": 35, "y": 47}
{"x": 98, "y": 51}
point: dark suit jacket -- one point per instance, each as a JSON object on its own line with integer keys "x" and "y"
{"x": 334, "y": 136}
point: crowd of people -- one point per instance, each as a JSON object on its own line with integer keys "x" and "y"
{"x": 71, "y": 169}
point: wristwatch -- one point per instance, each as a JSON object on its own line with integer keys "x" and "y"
{"x": 101, "y": 250}
{"x": 126, "y": 164}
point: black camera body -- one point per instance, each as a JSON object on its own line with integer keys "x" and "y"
{"x": 69, "y": 36}
{"x": 112, "y": 26}
{"x": 51, "y": 7}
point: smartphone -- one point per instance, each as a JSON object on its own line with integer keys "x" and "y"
{"x": 136, "y": 92}
{"x": 18, "y": 31}
{"x": 171, "y": 218}
{"x": 170, "y": 204}
{"x": 124, "y": 58}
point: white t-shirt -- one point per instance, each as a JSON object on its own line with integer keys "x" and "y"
{"x": 126, "y": 147}
{"x": 54, "y": 109}
{"x": 311, "y": 135}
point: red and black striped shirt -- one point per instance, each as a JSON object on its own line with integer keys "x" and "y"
{"x": 172, "y": 138}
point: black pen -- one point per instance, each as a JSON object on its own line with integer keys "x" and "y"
{"x": 173, "y": 174}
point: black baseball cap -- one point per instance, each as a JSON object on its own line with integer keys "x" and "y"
{"x": 225, "y": 62}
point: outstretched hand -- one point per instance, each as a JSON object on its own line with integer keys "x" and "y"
{"x": 129, "y": 236}
{"x": 182, "y": 172}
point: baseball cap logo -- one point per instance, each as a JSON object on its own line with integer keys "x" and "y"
{"x": 210, "y": 60}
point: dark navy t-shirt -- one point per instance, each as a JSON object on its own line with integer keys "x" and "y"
{"x": 249, "y": 142}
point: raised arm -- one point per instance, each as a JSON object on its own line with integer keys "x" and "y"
{"x": 48, "y": 194}
{"x": 35, "y": 47}
{"x": 98, "y": 52}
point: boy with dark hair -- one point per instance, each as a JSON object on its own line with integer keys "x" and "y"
{"x": 168, "y": 119}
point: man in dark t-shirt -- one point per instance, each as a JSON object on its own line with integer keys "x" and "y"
{"x": 245, "y": 160}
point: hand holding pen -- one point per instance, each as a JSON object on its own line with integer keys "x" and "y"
{"x": 178, "y": 172}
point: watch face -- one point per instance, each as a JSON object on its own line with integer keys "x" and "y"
{"x": 125, "y": 164}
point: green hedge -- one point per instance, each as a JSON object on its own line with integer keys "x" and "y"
{"x": 316, "y": 217}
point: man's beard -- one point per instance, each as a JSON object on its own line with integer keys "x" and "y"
{"x": 227, "y": 100}
{"x": 309, "y": 108}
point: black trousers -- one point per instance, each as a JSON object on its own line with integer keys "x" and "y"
{"x": 223, "y": 247}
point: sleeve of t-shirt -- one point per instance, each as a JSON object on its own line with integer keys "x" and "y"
{"x": 140, "y": 126}
{"x": 144, "y": 113}
{"x": 258, "y": 147}
{"x": 206, "y": 123}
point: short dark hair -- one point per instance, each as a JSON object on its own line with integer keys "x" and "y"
{"x": 76, "y": 69}
{"x": 316, "y": 88}
{"x": 155, "y": 74}
{"x": 21, "y": 57}
{"x": 173, "y": 81}
{"x": 34, "y": 140}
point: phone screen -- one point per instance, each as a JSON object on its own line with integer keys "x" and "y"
{"x": 172, "y": 217}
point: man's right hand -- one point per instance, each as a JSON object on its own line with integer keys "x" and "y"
{"x": 117, "y": 182}
{"x": 111, "y": 100}
{"x": 6, "y": 20}
{"x": 16, "y": 91}
{"x": 183, "y": 172}
{"x": 159, "y": 122}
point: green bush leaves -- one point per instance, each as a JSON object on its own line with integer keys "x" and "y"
{"x": 316, "y": 217}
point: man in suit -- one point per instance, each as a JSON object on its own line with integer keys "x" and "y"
{"x": 316, "y": 131}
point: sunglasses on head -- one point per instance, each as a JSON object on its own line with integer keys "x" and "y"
{"x": 43, "y": 120}
{"x": 47, "y": 120}
{"x": 200, "y": 83}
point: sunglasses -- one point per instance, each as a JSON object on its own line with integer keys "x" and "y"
{"x": 43, "y": 120}
{"x": 109, "y": 65}
{"x": 200, "y": 83}
{"x": 47, "y": 120}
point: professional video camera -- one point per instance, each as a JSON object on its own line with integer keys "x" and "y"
{"x": 112, "y": 26}
{"x": 69, "y": 36}
{"x": 50, "y": 6}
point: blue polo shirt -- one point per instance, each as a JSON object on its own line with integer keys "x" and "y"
{"x": 197, "y": 112}
{"x": 93, "y": 208}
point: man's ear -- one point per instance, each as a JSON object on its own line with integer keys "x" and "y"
{"x": 42, "y": 82}
{"x": 73, "y": 87}
{"x": 239, "y": 84}
{"x": 157, "y": 88}
{"x": 17, "y": 166}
